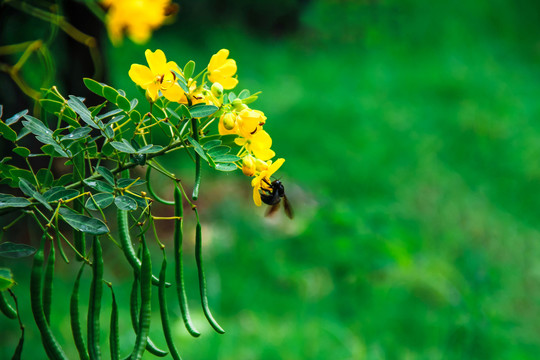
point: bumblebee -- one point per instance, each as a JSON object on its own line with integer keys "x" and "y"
{"x": 273, "y": 197}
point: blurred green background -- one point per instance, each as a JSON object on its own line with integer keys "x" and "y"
{"x": 410, "y": 131}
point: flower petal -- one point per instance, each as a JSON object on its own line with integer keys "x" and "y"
{"x": 141, "y": 75}
{"x": 174, "y": 93}
{"x": 157, "y": 61}
{"x": 228, "y": 69}
{"x": 218, "y": 59}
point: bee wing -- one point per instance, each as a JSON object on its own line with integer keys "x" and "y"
{"x": 272, "y": 210}
{"x": 288, "y": 208}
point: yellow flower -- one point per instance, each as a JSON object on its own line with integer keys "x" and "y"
{"x": 138, "y": 18}
{"x": 259, "y": 145}
{"x": 159, "y": 77}
{"x": 222, "y": 70}
{"x": 249, "y": 121}
{"x": 262, "y": 181}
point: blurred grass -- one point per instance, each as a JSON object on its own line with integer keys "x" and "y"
{"x": 410, "y": 137}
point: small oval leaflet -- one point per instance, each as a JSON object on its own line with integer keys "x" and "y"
{"x": 83, "y": 223}
{"x": 125, "y": 203}
{"x": 103, "y": 201}
{"x": 15, "y": 251}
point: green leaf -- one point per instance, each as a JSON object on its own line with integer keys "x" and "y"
{"x": 99, "y": 185}
{"x": 83, "y": 223}
{"x": 108, "y": 132}
{"x": 17, "y": 174}
{"x": 123, "y": 183}
{"x": 211, "y": 144}
{"x": 184, "y": 112}
{"x": 64, "y": 194}
{"x": 250, "y": 99}
{"x": 123, "y": 147}
{"x": 189, "y": 69}
{"x": 244, "y": 94}
{"x": 142, "y": 202}
{"x": 9, "y": 201}
{"x": 78, "y": 133}
{"x": 218, "y": 151}
{"x": 107, "y": 174}
{"x": 6, "y": 279}
{"x": 52, "y": 106}
{"x": 125, "y": 203}
{"x": 27, "y": 188}
{"x": 107, "y": 149}
{"x": 110, "y": 94}
{"x": 103, "y": 201}
{"x": 45, "y": 178}
{"x": 232, "y": 97}
{"x": 16, "y": 117}
{"x": 109, "y": 114}
{"x": 78, "y": 106}
{"x": 7, "y": 132}
{"x": 149, "y": 149}
{"x": 21, "y": 151}
{"x": 201, "y": 110}
{"x": 135, "y": 116}
{"x": 226, "y": 158}
{"x": 36, "y": 126}
{"x": 15, "y": 251}
{"x": 116, "y": 119}
{"x": 226, "y": 167}
{"x": 197, "y": 148}
{"x": 133, "y": 104}
{"x": 123, "y": 103}
{"x": 93, "y": 86}
{"x": 182, "y": 82}
{"x": 64, "y": 180}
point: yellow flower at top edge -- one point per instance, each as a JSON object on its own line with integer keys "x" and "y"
{"x": 158, "y": 77}
{"x": 222, "y": 70}
{"x": 137, "y": 18}
{"x": 262, "y": 181}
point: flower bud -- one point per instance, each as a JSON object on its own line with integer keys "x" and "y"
{"x": 239, "y": 105}
{"x": 228, "y": 120}
{"x": 248, "y": 165}
{"x": 217, "y": 89}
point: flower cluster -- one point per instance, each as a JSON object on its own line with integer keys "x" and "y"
{"x": 137, "y": 18}
{"x": 167, "y": 79}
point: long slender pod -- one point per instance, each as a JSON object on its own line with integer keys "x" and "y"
{"x": 51, "y": 346}
{"x": 133, "y": 310}
{"x": 163, "y": 310}
{"x": 18, "y": 350}
{"x": 76, "y": 329}
{"x": 94, "y": 304}
{"x": 146, "y": 304}
{"x": 5, "y": 308}
{"x": 114, "y": 337}
{"x": 202, "y": 280}
{"x": 127, "y": 246}
{"x": 197, "y": 184}
{"x": 178, "y": 262}
{"x": 48, "y": 284}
